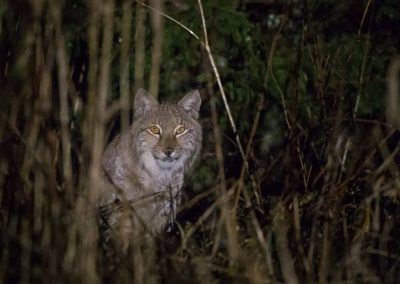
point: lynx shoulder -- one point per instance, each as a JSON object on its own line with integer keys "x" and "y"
{"x": 144, "y": 167}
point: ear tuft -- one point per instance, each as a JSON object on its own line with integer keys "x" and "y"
{"x": 191, "y": 103}
{"x": 143, "y": 103}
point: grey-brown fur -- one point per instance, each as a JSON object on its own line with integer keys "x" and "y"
{"x": 138, "y": 171}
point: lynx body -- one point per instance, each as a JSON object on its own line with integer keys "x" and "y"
{"x": 145, "y": 165}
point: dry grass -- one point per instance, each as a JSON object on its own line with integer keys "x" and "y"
{"x": 324, "y": 208}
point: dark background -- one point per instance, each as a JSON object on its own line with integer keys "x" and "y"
{"x": 306, "y": 83}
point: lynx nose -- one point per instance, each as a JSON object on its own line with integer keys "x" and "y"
{"x": 169, "y": 151}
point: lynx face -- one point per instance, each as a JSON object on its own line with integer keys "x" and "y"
{"x": 168, "y": 136}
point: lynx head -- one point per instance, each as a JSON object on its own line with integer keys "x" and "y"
{"x": 167, "y": 137}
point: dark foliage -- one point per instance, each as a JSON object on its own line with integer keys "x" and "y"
{"x": 306, "y": 82}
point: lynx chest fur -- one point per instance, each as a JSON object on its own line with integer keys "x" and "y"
{"x": 145, "y": 165}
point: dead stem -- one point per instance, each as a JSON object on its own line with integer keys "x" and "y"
{"x": 221, "y": 168}
{"x": 221, "y": 88}
{"x": 93, "y": 46}
{"x": 392, "y": 97}
{"x": 62, "y": 67}
{"x": 140, "y": 30}
{"x": 282, "y": 245}
{"x": 86, "y": 227}
{"x": 124, "y": 63}
{"x": 158, "y": 30}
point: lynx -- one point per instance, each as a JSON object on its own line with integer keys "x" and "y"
{"x": 144, "y": 167}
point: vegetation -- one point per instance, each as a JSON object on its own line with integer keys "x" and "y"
{"x": 299, "y": 178}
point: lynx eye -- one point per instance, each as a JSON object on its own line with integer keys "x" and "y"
{"x": 180, "y": 130}
{"x": 154, "y": 130}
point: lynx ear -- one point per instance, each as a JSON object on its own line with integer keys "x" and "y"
{"x": 191, "y": 103}
{"x": 143, "y": 102}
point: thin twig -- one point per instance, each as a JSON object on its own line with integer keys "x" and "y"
{"x": 171, "y": 19}
{"x": 363, "y": 17}
{"x": 365, "y": 58}
{"x": 221, "y": 88}
{"x": 204, "y": 216}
